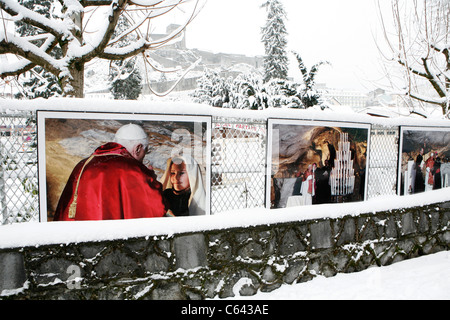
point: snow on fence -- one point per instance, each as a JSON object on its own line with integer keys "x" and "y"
{"x": 238, "y": 150}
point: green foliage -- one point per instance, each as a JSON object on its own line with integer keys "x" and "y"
{"x": 212, "y": 89}
{"x": 127, "y": 85}
{"x": 274, "y": 35}
{"x": 246, "y": 91}
{"x": 37, "y": 83}
{"x": 308, "y": 95}
{"x": 125, "y": 76}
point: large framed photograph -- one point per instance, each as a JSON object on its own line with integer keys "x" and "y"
{"x": 424, "y": 159}
{"x": 313, "y": 162}
{"x": 103, "y": 166}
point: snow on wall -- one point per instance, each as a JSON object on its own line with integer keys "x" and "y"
{"x": 37, "y": 234}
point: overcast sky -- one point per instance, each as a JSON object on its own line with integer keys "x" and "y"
{"x": 341, "y": 32}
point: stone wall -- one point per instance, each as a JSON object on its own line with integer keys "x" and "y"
{"x": 222, "y": 263}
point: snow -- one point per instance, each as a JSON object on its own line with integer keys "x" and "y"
{"x": 26, "y": 46}
{"x": 37, "y": 234}
{"x": 184, "y": 108}
{"x": 73, "y": 7}
{"x": 151, "y": 3}
{"x": 23, "y": 13}
{"x": 423, "y": 278}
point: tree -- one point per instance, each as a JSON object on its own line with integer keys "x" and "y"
{"x": 37, "y": 83}
{"x": 246, "y": 92}
{"x": 418, "y": 45}
{"x": 125, "y": 77}
{"x": 274, "y": 39}
{"x": 211, "y": 89}
{"x": 83, "y": 30}
{"x": 280, "y": 93}
{"x": 308, "y": 95}
{"x": 127, "y": 81}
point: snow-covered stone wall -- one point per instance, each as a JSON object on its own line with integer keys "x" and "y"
{"x": 214, "y": 261}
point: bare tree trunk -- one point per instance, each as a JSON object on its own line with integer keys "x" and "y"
{"x": 74, "y": 86}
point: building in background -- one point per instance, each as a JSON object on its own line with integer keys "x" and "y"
{"x": 173, "y": 56}
{"x": 354, "y": 99}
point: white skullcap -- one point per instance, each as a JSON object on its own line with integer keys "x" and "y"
{"x": 131, "y": 132}
{"x": 131, "y": 135}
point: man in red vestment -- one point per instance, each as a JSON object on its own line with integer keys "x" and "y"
{"x": 113, "y": 183}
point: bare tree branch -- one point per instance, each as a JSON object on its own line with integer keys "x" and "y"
{"x": 67, "y": 31}
{"x": 418, "y": 44}
{"x": 28, "y": 51}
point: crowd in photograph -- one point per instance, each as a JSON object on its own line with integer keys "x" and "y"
{"x": 427, "y": 174}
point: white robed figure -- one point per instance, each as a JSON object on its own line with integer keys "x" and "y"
{"x": 196, "y": 201}
{"x": 308, "y": 186}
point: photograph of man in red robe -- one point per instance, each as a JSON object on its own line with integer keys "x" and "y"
{"x": 113, "y": 183}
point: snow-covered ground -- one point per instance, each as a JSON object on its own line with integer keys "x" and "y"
{"x": 423, "y": 278}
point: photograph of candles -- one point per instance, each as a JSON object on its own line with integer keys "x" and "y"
{"x": 311, "y": 162}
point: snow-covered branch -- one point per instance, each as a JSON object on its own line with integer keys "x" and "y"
{"x": 124, "y": 52}
{"x": 79, "y": 37}
{"x": 20, "y": 13}
{"x": 11, "y": 43}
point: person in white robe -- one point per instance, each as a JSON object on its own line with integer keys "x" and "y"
{"x": 196, "y": 201}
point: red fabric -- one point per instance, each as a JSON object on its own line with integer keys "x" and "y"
{"x": 112, "y": 186}
{"x": 430, "y": 164}
{"x": 430, "y": 178}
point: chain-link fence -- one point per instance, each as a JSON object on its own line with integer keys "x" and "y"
{"x": 18, "y": 170}
{"x": 238, "y": 165}
{"x": 383, "y": 161}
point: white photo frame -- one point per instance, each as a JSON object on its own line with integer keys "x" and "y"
{"x": 77, "y": 134}
{"x": 279, "y": 133}
{"x": 411, "y": 168}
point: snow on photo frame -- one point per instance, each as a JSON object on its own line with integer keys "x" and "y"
{"x": 424, "y": 161}
{"x": 106, "y": 166}
{"x": 315, "y": 162}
